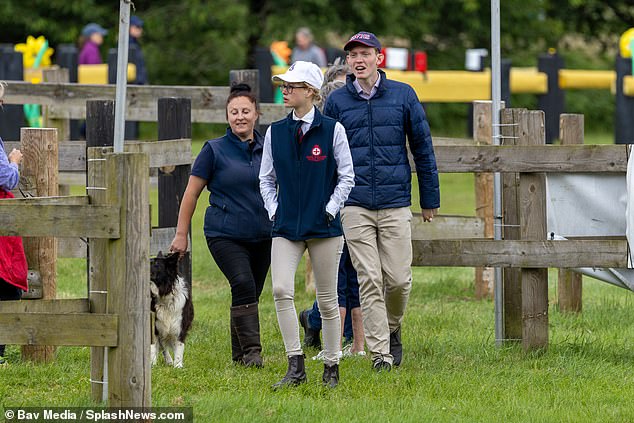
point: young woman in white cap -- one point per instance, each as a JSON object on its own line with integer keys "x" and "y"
{"x": 305, "y": 177}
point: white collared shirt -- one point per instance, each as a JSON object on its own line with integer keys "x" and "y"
{"x": 373, "y": 91}
{"x": 341, "y": 152}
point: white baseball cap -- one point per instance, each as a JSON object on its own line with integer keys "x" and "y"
{"x": 302, "y": 72}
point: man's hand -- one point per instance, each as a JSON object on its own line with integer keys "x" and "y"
{"x": 428, "y": 214}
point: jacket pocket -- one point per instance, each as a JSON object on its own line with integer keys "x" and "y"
{"x": 216, "y": 219}
{"x": 218, "y": 205}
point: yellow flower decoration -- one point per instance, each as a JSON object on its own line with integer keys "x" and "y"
{"x": 625, "y": 43}
{"x": 35, "y": 52}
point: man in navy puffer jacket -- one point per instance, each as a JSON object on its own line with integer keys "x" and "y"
{"x": 379, "y": 115}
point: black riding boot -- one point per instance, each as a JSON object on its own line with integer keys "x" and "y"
{"x": 331, "y": 375}
{"x": 236, "y": 350}
{"x": 296, "y": 373}
{"x": 247, "y": 325}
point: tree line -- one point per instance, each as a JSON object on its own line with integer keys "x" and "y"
{"x": 197, "y": 42}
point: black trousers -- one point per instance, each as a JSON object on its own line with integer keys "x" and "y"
{"x": 8, "y": 292}
{"x": 244, "y": 264}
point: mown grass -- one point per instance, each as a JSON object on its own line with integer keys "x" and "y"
{"x": 452, "y": 370}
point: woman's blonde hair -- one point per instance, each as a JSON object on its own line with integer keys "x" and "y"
{"x": 317, "y": 97}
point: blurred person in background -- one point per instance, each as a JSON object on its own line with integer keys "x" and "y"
{"x": 136, "y": 32}
{"x": 305, "y": 50}
{"x": 89, "y": 43}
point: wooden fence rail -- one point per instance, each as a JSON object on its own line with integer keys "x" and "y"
{"x": 124, "y": 325}
{"x": 449, "y": 158}
{"x": 520, "y": 253}
{"x": 524, "y": 252}
{"x": 72, "y": 154}
{"x": 58, "y": 220}
{"x": 68, "y": 100}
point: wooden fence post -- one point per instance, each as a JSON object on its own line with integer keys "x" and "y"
{"x": 569, "y": 287}
{"x": 512, "y": 288}
{"x": 63, "y": 125}
{"x": 40, "y": 166}
{"x": 174, "y": 122}
{"x": 129, "y": 367}
{"x": 57, "y": 75}
{"x": 99, "y": 123}
{"x": 251, "y": 77}
{"x": 482, "y": 135}
{"x": 99, "y": 132}
{"x": 248, "y": 76}
{"x": 532, "y": 203}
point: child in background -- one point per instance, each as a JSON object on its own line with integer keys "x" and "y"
{"x": 13, "y": 268}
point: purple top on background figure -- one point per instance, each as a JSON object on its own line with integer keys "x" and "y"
{"x": 91, "y": 38}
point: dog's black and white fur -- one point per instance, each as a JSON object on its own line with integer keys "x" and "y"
{"x": 172, "y": 304}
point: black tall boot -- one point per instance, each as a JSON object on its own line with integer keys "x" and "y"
{"x": 331, "y": 375}
{"x": 247, "y": 325}
{"x": 236, "y": 350}
{"x": 296, "y": 373}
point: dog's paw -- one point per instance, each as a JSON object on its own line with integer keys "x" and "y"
{"x": 153, "y": 354}
{"x": 178, "y": 365}
{"x": 168, "y": 358}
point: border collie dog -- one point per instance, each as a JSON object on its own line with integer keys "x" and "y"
{"x": 172, "y": 305}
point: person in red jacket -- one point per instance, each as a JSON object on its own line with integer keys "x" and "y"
{"x": 13, "y": 267}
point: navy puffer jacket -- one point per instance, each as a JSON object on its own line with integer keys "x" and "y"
{"x": 377, "y": 130}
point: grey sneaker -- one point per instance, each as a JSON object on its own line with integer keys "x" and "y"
{"x": 347, "y": 352}
{"x": 321, "y": 356}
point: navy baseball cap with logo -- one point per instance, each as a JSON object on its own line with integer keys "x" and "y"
{"x": 364, "y": 38}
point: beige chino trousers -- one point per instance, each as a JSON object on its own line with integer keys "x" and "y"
{"x": 324, "y": 254}
{"x": 380, "y": 244}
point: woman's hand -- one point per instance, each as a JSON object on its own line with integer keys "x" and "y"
{"x": 179, "y": 244}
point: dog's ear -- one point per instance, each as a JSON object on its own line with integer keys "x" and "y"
{"x": 172, "y": 257}
{"x": 160, "y": 254}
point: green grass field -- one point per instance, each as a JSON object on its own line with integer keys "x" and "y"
{"x": 452, "y": 370}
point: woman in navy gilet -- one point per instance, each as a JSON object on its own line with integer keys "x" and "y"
{"x": 237, "y": 227}
{"x": 305, "y": 178}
